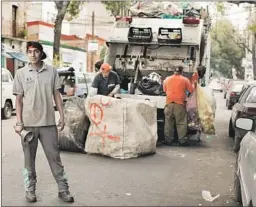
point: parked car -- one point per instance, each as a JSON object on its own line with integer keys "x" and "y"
{"x": 74, "y": 83}
{"x": 234, "y": 93}
{"x": 216, "y": 85}
{"x": 244, "y": 108}
{"x": 245, "y": 169}
{"x": 8, "y": 99}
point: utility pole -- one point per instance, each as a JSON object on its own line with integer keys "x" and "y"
{"x": 92, "y": 53}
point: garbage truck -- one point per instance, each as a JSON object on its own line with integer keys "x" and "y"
{"x": 145, "y": 47}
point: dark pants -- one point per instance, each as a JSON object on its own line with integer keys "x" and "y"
{"x": 175, "y": 113}
{"x": 48, "y": 137}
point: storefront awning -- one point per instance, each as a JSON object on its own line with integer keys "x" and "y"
{"x": 19, "y": 56}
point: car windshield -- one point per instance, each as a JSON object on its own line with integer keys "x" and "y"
{"x": 252, "y": 96}
{"x": 237, "y": 87}
{"x": 81, "y": 79}
{"x": 5, "y": 77}
{"x": 89, "y": 78}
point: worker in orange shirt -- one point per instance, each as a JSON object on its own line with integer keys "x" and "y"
{"x": 175, "y": 87}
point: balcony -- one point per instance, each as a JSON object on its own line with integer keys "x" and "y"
{"x": 14, "y": 30}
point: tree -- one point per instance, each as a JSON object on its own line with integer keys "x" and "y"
{"x": 63, "y": 7}
{"x": 226, "y": 52}
{"x": 117, "y": 8}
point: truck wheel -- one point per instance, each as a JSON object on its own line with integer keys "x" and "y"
{"x": 7, "y": 110}
{"x": 237, "y": 185}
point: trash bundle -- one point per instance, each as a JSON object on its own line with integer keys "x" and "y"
{"x": 72, "y": 138}
{"x": 121, "y": 128}
{"x": 192, "y": 112}
{"x": 151, "y": 85}
{"x": 205, "y": 111}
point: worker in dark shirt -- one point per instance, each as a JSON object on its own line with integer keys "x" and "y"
{"x": 106, "y": 82}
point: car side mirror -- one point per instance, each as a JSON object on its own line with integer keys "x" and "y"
{"x": 244, "y": 123}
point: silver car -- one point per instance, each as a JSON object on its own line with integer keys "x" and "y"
{"x": 245, "y": 171}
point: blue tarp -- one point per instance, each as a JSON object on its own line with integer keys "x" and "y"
{"x": 19, "y": 56}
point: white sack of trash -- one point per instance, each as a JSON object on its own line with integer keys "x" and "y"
{"x": 121, "y": 128}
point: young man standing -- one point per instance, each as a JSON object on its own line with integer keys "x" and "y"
{"x": 35, "y": 86}
{"x": 175, "y": 87}
{"x": 106, "y": 82}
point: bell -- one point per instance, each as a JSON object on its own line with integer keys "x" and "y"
{"x": 27, "y": 136}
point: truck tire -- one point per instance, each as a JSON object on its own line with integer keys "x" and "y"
{"x": 7, "y": 110}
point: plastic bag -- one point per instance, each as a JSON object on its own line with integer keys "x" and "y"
{"x": 205, "y": 111}
{"x": 192, "y": 112}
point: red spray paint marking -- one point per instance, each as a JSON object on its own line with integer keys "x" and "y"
{"x": 94, "y": 108}
{"x": 96, "y": 119}
{"x": 103, "y": 134}
{"x": 105, "y": 104}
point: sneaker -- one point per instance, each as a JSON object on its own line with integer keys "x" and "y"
{"x": 31, "y": 196}
{"x": 66, "y": 197}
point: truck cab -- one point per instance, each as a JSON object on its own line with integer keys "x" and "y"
{"x": 8, "y": 99}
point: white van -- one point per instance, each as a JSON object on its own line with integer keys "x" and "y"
{"x": 8, "y": 99}
{"x": 81, "y": 81}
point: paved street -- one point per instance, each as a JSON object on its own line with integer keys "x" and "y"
{"x": 173, "y": 176}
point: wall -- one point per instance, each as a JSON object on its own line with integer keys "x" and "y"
{"x": 7, "y": 17}
{"x": 76, "y": 58}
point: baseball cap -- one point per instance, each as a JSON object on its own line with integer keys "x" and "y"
{"x": 106, "y": 67}
{"x": 37, "y": 45}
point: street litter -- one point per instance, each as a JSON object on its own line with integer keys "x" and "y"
{"x": 121, "y": 128}
{"x": 73, "y": 136}
{"x": 128, "y": 194}
{"x": 208, "y": 197}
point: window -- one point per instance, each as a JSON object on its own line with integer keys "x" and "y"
{"x": 252, "y": 96}
{"x": 237, "y": 87}
{"x": 89, "y": 78}
{"x": 81, "y": 79}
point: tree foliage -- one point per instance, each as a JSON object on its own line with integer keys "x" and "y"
{"x": 63, "y": 7}
{"x": 226, "y": 52}
{"x": 117, "y": 7}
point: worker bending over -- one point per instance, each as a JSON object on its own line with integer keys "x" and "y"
{"x": 106, "y": 82}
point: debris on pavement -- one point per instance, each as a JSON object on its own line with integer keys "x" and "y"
{"x": 128, "y": 194}
{"x": 208, "y": 197}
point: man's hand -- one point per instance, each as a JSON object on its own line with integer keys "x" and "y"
{"x": 61, "y": 125}
{"x": 18, "y": 129}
